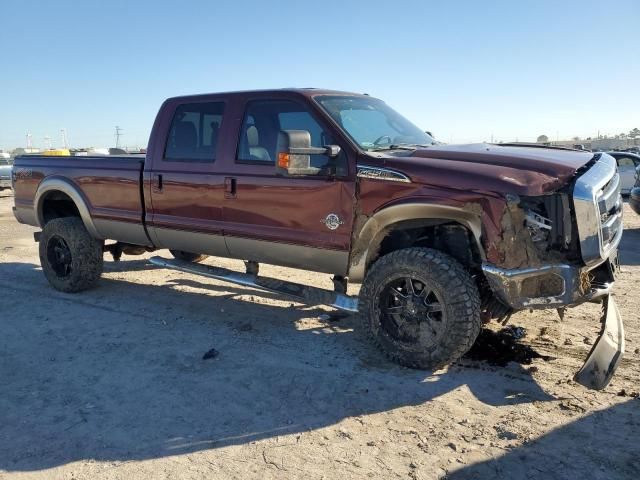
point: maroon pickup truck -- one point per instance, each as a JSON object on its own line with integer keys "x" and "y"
{"x": 442, "y": 238}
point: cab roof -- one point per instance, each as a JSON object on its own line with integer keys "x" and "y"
{"x": 306, "y": 92}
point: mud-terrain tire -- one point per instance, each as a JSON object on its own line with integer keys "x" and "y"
{"x": 71, "y": 259}
{"x": 427, "y": 323}
{"x": 188, "y": 256}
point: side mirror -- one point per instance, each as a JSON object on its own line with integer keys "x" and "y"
{"x": 295, "y": 150}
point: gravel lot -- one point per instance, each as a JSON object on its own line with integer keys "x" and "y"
{"x": 111, "y": 383}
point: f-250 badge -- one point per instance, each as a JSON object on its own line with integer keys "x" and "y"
{"x": 332, "y": 221}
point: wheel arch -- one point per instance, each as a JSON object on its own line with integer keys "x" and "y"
{"x": 395, "y": 218}
{"x": 58, "y": 189}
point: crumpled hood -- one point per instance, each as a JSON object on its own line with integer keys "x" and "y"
{"x": 489, "y": 167}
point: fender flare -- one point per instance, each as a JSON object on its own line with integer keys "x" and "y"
{"x": 59, "y": 184}
{"x": 374, "y": 228}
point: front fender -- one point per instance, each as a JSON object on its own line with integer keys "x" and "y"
{"x": 375, "y": 227}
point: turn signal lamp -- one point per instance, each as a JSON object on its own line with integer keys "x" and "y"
{"x": 283, "y": 160}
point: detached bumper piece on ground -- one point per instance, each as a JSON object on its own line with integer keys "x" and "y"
{"x": 607, "y": 351}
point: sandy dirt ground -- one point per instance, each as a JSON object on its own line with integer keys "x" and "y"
{"x": 111, "y": 383}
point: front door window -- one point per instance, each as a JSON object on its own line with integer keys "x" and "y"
{"x": 260, "y": 136}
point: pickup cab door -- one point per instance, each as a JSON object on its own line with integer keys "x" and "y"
{"x": 186, "y": 193}
{"x": 301, "y": 221}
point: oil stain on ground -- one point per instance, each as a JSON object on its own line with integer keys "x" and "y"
{"x": 501, "y": 347}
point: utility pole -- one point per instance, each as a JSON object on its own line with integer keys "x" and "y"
{"x": 118, "y": 135}
{"x": 47, "y": 142}
{"x": 63, "y": 134}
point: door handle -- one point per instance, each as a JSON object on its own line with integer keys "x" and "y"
{"x": 230, "y": 185}
{"x": 156, "y": 182}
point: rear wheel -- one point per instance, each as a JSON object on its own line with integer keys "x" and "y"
{"x": 188, "y": 256}
{"x": 420, "y": 307}
{"x": 71, "y": 258}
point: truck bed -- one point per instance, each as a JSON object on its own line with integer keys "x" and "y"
{"x": 110, "y": 187}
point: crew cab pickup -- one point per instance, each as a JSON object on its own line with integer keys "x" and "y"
{"x": 442, "y": 238}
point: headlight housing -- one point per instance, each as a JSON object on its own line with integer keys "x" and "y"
{"x": 539, "y": 227}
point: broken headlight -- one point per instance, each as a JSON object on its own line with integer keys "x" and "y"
{"x": 550, "y": 224}
{"x": 539, "y": 227}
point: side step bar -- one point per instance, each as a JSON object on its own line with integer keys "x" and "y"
{"x": 303, "y": 293}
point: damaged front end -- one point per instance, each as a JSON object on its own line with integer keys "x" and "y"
{"x": 536, "y": 257}
{"x": 560, "y": 250}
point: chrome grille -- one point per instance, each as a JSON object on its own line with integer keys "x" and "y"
{"x": 598, "y": 207}
{"x": 610, "y": 209}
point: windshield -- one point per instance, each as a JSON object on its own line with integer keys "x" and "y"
{"x": 372, "y": 124}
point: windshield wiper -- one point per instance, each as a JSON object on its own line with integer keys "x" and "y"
{"x": 401, "y": 146}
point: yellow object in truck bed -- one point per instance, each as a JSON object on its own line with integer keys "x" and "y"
{"x": 57, "y": 152}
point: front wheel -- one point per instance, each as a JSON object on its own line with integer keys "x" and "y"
{"x": 420, "y": 307}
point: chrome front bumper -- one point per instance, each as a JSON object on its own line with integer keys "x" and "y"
{"x": 563, "y": 284}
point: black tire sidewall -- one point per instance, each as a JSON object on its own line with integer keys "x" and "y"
{"x": 86, "y": 255}
{"x": 453, "y": 285}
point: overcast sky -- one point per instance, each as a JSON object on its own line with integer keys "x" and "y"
{"x": 465, "y": 70}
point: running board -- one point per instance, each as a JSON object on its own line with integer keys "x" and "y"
{"x": 303, "y": 293}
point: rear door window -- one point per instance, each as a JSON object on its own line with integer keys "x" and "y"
{"x": 194, "y": 132}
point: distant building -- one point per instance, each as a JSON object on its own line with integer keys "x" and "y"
{"x": 22, "y": 151}
{"x": 601, "y": 143}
